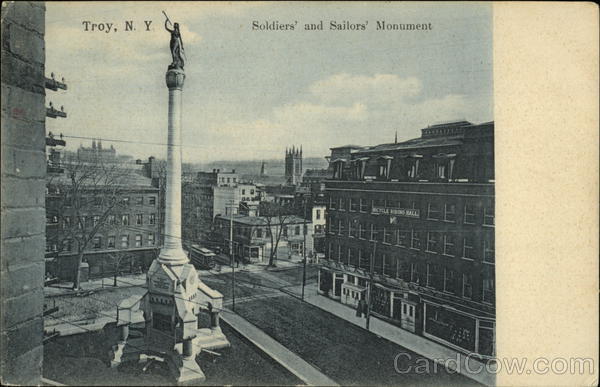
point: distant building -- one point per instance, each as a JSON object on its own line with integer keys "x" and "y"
{"x": 252, "y": 242}
{"x": 293, "y": 165}
{"x": 96, "y": 153}
{"x": 211, "y": 194}
{"x": 417, "y": 217}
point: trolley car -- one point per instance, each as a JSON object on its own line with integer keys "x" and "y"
{"x": 201, "y": 257}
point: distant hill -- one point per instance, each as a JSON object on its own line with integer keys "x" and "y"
{"x": 273, "y": 167}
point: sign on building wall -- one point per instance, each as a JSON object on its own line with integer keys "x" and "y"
{"x": 406, "y": 212}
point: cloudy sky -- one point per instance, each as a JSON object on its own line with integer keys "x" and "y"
{"x": 250, "y": 93}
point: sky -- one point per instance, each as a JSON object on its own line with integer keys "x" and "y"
{"x": 250, "y": 93}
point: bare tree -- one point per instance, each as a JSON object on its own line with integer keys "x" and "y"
{"x": 88, "y": 198}
{"x": 276, "y": 217}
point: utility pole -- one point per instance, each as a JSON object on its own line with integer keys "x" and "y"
{"x": 370, "y": 290}
{"x": 304, "y": 251}
{"x": 232, "y": 258}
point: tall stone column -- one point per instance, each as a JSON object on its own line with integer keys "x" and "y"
{"x": 172, "y": 252}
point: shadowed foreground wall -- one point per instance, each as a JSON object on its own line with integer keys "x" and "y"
{"x": 23, "y": 190}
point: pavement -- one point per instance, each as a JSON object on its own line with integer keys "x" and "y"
{"x": 443, "y": 355}
{"x": 292, "y": 362}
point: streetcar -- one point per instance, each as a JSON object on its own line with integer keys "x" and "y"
{"x": 201, "y": 257}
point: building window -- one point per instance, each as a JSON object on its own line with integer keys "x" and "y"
{"x": 468, "y": 250}
{"x": 97, "y": 242}
{"x": 152, "y": 200}
{"x": 138, "y": 240}
{"x": 342, "y": 204}
{"x": 449, "y": 245}
{"x": 469, "y": 217}
{"x": 488, "y": 251}
{"x": 339, "y": 253}
{"x": 139, "y": 219}
{"x": 467, "y": 286}
{"x": 139, "y": 200}
{"x": 110, "y": 242}
{"x": 297, "y": 230}
{"x": 363, "y": 205}
{"x": 124, "y": 241}
{"x": 351, "y": 257}
{"x": 387, "y": 235}
{"x": 488, "y": 286}
{"x": 449, "y": 212}
{"x": 259, "y": 232}
{"x": 432, "y": 240}
{"x": 152, "y": 218}
{"x": 97, "y": 201}
{"x": 414, "y": 273}
{"x": 403, "y": 238}
{"x": 125, "y": 200}
{"x": 332, "y": 203}
{"x": 67, "y": 222}
{"x": 353, "y": 204}
{"x": 433, "y": 211}
{"x": 318, "y": 215}
{"x": 333, "y": 225}
{"x": 352, "y": 230}
{"x": 362, "y": 231}
{"x": 112, "y": 220}
{"x": 125, "y": 220}
{"x": 415, "y": 240}
{"x": 67, "y": 245}
{"x": 150, "y": 239}
{"x": 449, "y": 281}
{"x": 285, "y": 231}
{"x": 488, "y": 215}
{"x": 95, "y": 220}
{"x": 243, "y": 191}
{"x": 342, "y": 226}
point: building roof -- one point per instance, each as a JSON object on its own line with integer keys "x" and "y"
{"x": 129, "y": 175}
{"x": 261, "y": 220}
{"x": 347, "y": 146}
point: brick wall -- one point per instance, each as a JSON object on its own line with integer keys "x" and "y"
{"x": 23, "y": 190}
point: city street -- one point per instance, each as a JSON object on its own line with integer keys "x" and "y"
{"x": 342, "y": 351}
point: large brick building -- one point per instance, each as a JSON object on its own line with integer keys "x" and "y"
{"x": 22, "y": 199}
{"x": 128, "y": 233}
{"x": 417, "y": 217}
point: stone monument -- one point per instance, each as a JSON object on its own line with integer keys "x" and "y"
{"x": 175, "y": 295}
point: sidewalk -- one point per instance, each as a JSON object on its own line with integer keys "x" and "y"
{"x": 292, "y": 362}
{"x": 415, "y": 343}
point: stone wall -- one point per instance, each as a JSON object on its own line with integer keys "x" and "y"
{"x": 23, "y": 191}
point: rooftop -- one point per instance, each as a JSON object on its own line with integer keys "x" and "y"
{"x": 261, "y": 220}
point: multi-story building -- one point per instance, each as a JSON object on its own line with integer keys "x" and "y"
{"x": 293, "y": 165}
{"x": 416, "y": 221}
{"x": 80, "y": 202}
{"x": 252, "y": 240}
{"x": 211, "y": 194}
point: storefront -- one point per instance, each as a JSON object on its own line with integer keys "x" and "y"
{"x": 352, "y": 294}
{"x": 460, "y": 330}
{"x": 330, "y": 283}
